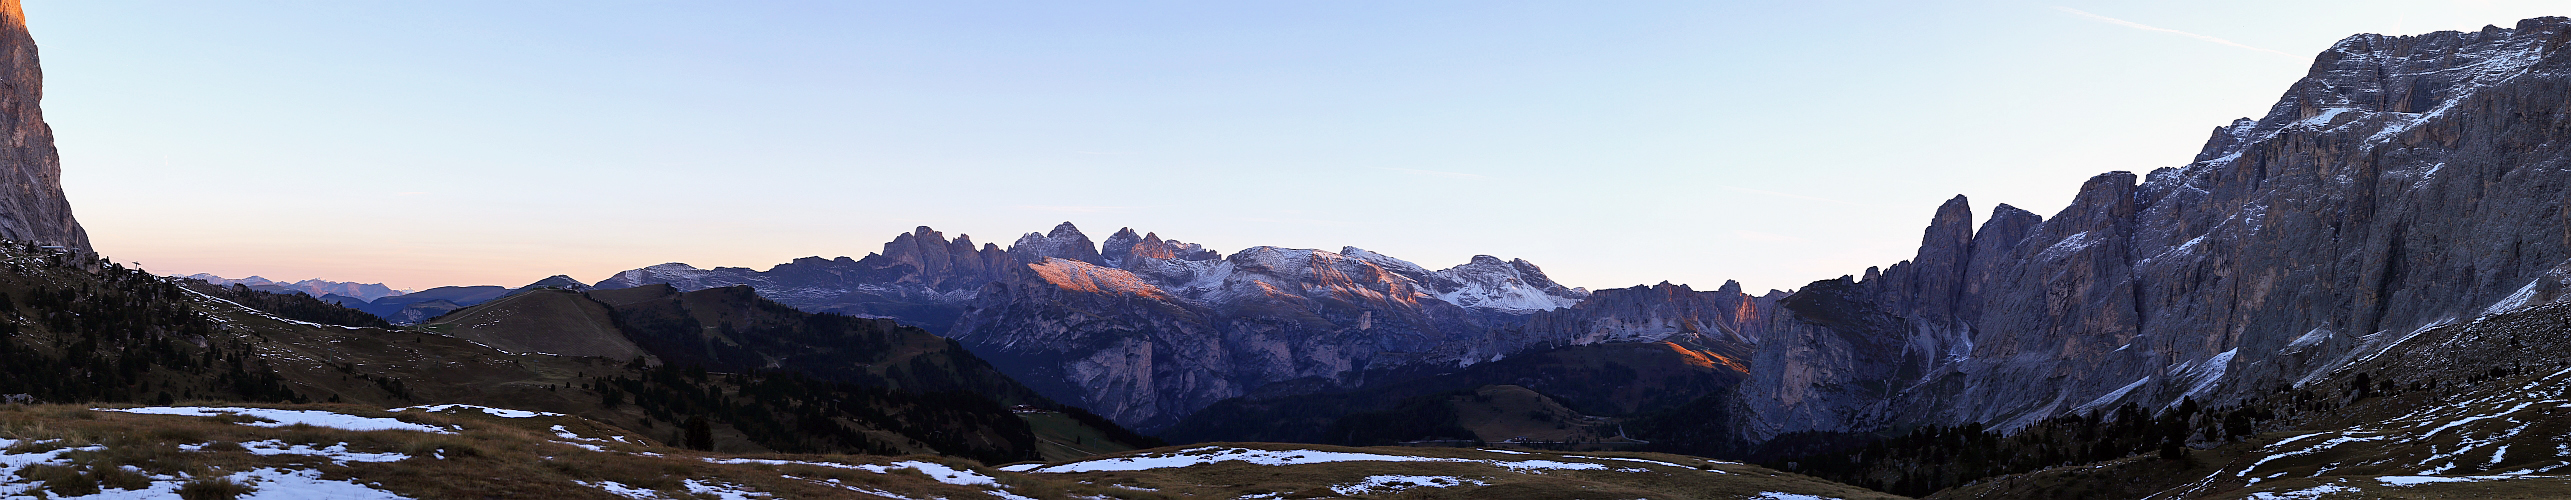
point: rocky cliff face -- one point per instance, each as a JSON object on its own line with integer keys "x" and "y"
{"x": 1651, "y": 313}
{"x": 32, "y": 206}
{"x": 2406, "y": 182}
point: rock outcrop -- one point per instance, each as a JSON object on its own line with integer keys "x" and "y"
{"x": 1651, "y": 313}
{"x": 32, "y": 206}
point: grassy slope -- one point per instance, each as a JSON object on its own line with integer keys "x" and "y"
{"x": 1059, "y": 437}
{"x": 1689, "y": 478}
{"x": 1497, "y": 413}
{"x": 734, "y": 329}
{"x": 491, "y": 458}
{"x": 550, "y": 321}
{"x": 731, "y": 329}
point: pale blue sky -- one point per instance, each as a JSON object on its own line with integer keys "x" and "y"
{"x": 1615, "y": 143}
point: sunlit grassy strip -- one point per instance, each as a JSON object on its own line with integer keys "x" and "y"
{"x": 1215, "y": 454}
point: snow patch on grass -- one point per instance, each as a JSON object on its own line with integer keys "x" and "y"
{"x": 1779, "y": 495}
{"x": 1210, "y": 454}
{"x": 620, "y": 489}
{"x": 337, "y": 453}
{"x": 496, "y": 412}
{"x": 1389, "y": 484}
{"x": 2302, "y": 494}
{"x": 724, "y": 491}
{"x": 938, "y": 471}
{"x": 284, "y": 418}
{"x": 279, "y": 484}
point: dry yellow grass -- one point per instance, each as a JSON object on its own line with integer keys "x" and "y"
{"x": 491, "y": 457}
{"x": 494, "y": 457}
{"x": 1620, "y": 475}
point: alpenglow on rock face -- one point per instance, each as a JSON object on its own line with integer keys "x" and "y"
{"x": 1147, "y": 329}
{"x": 2405, "y": 182}
{"x": 32, "y": 206}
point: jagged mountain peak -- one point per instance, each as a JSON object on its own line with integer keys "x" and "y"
{"x": 1064, "y": 230}
{"x": 1512, "y": 285}
{"x": 1120, "y": 247}
{"x": 1065, "y": 242}
{"x": 1126, "y": 250}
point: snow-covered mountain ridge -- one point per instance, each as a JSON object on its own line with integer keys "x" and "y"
{"x": 1144, "y": 329}
{"x": 923, "y": 266}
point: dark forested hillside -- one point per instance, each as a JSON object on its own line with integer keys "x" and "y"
{"x": 288, "y": 305}
{"x": 764, "y": 375}
{"x": 795, "y": 413}
{"x": 1619, "y": 380}
{"x": 74, "y": 329}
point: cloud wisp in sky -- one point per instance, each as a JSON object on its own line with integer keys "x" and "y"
{"x": 2146, "y": 27}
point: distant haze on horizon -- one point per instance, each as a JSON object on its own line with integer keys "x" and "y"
{"x": 485, "y": 142}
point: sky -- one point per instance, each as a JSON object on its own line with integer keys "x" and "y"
{"x": 423, "y": 144}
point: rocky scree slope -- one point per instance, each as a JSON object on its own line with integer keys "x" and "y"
{"x": 2474, "y": 408}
